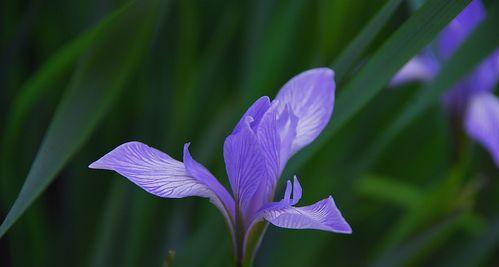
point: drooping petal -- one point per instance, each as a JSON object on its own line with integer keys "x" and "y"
{"x": 224, "y": 201}
{"x": 245, "y": 163}
{"x": 420, "y": 68}
{"x": 152, "y": 170}
{"x": 482, "y": 123}
{"x": 310, "y": 95}
{"x": 456, "y": 32}
{"x": 163, "y": 176}
{"x": 323, "y": 215}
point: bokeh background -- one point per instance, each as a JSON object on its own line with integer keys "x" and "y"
{"x": 78, "y": 78}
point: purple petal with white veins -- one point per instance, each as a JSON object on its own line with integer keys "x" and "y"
{"x": 163, "y": 176}
{"x": 255, "y": 111}
{"x": 152, "y": 170}
{"x": 456, "y": 32}
{"x": 310, "y": 96}
{"x": 420, "y": 68}
{"x": 323, "y": 215}
{"x": 268, "y": 137}
{"x": 286, "y": 125}
{"x": 268, "y": 140}
{"x": 245, "y": 163}
{"x": 482, "y": 123}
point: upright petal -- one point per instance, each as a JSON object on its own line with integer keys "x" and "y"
{"x": 255, "y": 111}
{"x": 269, "y": 140}
{"x": 482, "y": 123}
{"x": 422, "y": 68}
{"x": 456, "y": 32}
{"x": 245, "y": 163}
{"x": 287, "y": 192}
{"x": 297, "y": 191}
{"x": 286, "y": 125}
{"x": 310, "y": 96}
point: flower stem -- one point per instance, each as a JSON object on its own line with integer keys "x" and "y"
{"x": 239, "y": 229}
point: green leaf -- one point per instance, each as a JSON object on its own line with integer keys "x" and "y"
{"x": 416, "y": 248}
{"x": 446, "y": 197}
{"x": 111, "y": 216}
{"x": 390, "y": 190}
{"x": 408, "y": 40}
{"x": 476, "y": 252}
{"x": 39, "y": 84}
{"x": 348, "y": 58}
{"x": 99, "y": 78}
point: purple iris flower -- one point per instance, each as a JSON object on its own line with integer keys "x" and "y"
{"x": 472, "y": 98}
{"x": 255, "y": 154}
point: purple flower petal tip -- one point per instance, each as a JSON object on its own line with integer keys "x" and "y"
{"x": 421, "y": 68}
{"x": 309, "y": 96}
{"x": 482, "y": 123}
{"x": 322, "y": 215}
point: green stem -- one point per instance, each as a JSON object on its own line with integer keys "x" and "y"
{"x": 239, "y": 229}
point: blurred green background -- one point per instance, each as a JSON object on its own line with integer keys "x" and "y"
{"x": 78, "y": 78}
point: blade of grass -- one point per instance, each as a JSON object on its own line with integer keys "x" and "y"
{"x": 96, "y": 83}
{"x": 476, "y": 252}
{"x": 40, "y": 83}
{"x": 348, "y": 58}
{"x": 389, "y": 190}
{"x": 409, "y": 39}
{"x": 416, "y": 248}
{"x": 446, "y": 197}
{"x": 111, "y": 214}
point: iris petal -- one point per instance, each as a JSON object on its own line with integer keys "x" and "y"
{"x": 245, "y": 163}
{"x": 163, "y": 176}
{"x": 310, "y": 96}
{"x": 482, "y": 123}
{"x": 420, "y": 68}
{"x": 152, "y": 170}
{"x": 456, "y": 32}
{"x": 322, "y": 215}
